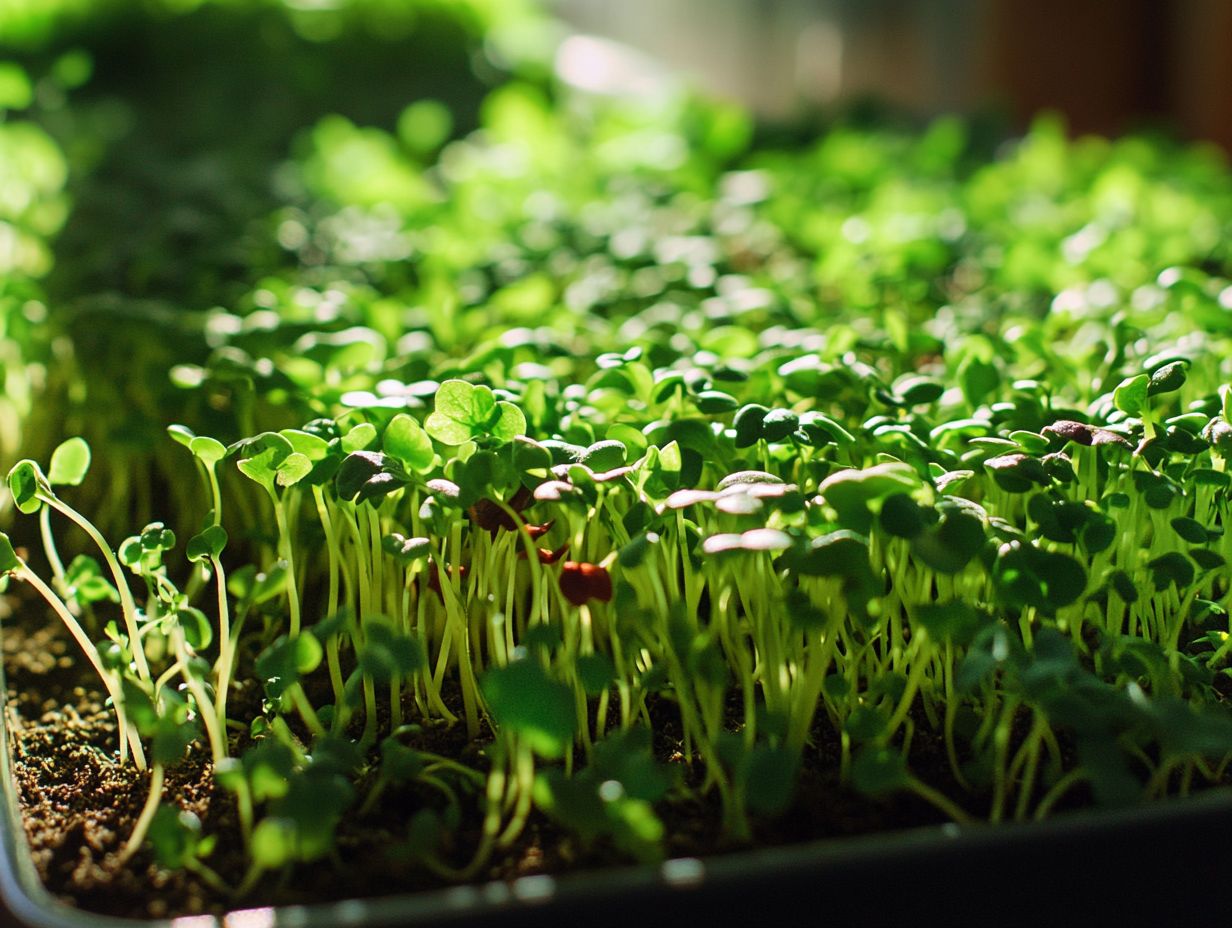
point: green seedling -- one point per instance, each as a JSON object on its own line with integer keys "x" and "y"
{"x": 667, "y": 469}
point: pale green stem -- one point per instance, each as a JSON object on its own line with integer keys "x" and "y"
{"x": 127, "y": 604}
{"x": 147, "y": 814}
{"x": 126, "y": 734}
{"x": 226, "y": 649}
{"x": 213, "y": 729}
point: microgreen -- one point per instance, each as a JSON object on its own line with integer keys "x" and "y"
{"x": 464, "y": 412}
{"x": 550, "y": 436}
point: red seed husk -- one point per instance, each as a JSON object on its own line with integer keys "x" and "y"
{"x": 548, "y": 557}
{"x": 580, "y": 581}
{"x": 488, "y": 514}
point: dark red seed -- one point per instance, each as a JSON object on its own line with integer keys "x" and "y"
{"x": 538, "y": 531}
{"x": 551, "y": 557}
{"x": 580, "y": 581}
{"x": 546, "y": 556}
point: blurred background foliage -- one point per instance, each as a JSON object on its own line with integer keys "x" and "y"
{"x": 140, "y": 154}
{"x": 215, "y": 196}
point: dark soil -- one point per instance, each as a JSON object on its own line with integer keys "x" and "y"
{"x": 79, "y": 804}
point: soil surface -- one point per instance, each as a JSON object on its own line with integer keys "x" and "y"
{"x": 80, "y": 804}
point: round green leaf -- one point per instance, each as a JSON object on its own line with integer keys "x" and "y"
{"x": 273, "y": 843}
{"x": 1190, "y": 529}
{"x": 715, "y": 402}
{"x": 311, "y": 445}
{"x": 209, "y": 450}
{"x": 1131, "y": 394}
{"x": 454, "y": 400}
{"x": 446, "y": 430}
{"x": 1172, "y": 568}
{"x": 207, "y": 544}
{"x": 359, "y": 438}
{"x": 26, "y": 481}
{"x": 405, "y": 440}
{"x": 9, "y": 561}
{"x": 777, "y": 424}
{"x": 1028, "y": 576}
{"x": 603, "y": 456}
{"x": 901, "y": 516}
{"x": 524, "y": 700}
{"x": 948, "y": 547}
{"x": 509, "y": 424}
{"x": 878, "y": 771}
{"x": 748, "y": 424}
{"x": 1168, "y": 378}
{"x": 69, "y": 463}
{"x": 196, "y": 627}
{"x": 294, "y": 468}
{"x": 918, "y": 391}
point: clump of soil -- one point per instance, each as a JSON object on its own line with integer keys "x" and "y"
{"x": 79, "y": 805}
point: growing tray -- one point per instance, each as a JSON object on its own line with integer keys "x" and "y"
{"x": 1166, "y": 863}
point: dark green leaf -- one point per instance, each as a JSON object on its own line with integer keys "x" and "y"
{"x": 1190, "y": 530}
{"x": 878, "y": 771}
{"x": 748, "y": 424}
{"x": 953, "y": 620}
{"x": 525, "y": 701}
{"x": 207, "y": 544}
{"x": 949, "y": 546}
{"x": 1172, "y": 568}
{"x": 1168, "y": 378}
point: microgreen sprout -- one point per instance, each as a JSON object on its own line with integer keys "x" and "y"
{"x": 659, "y": 480}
